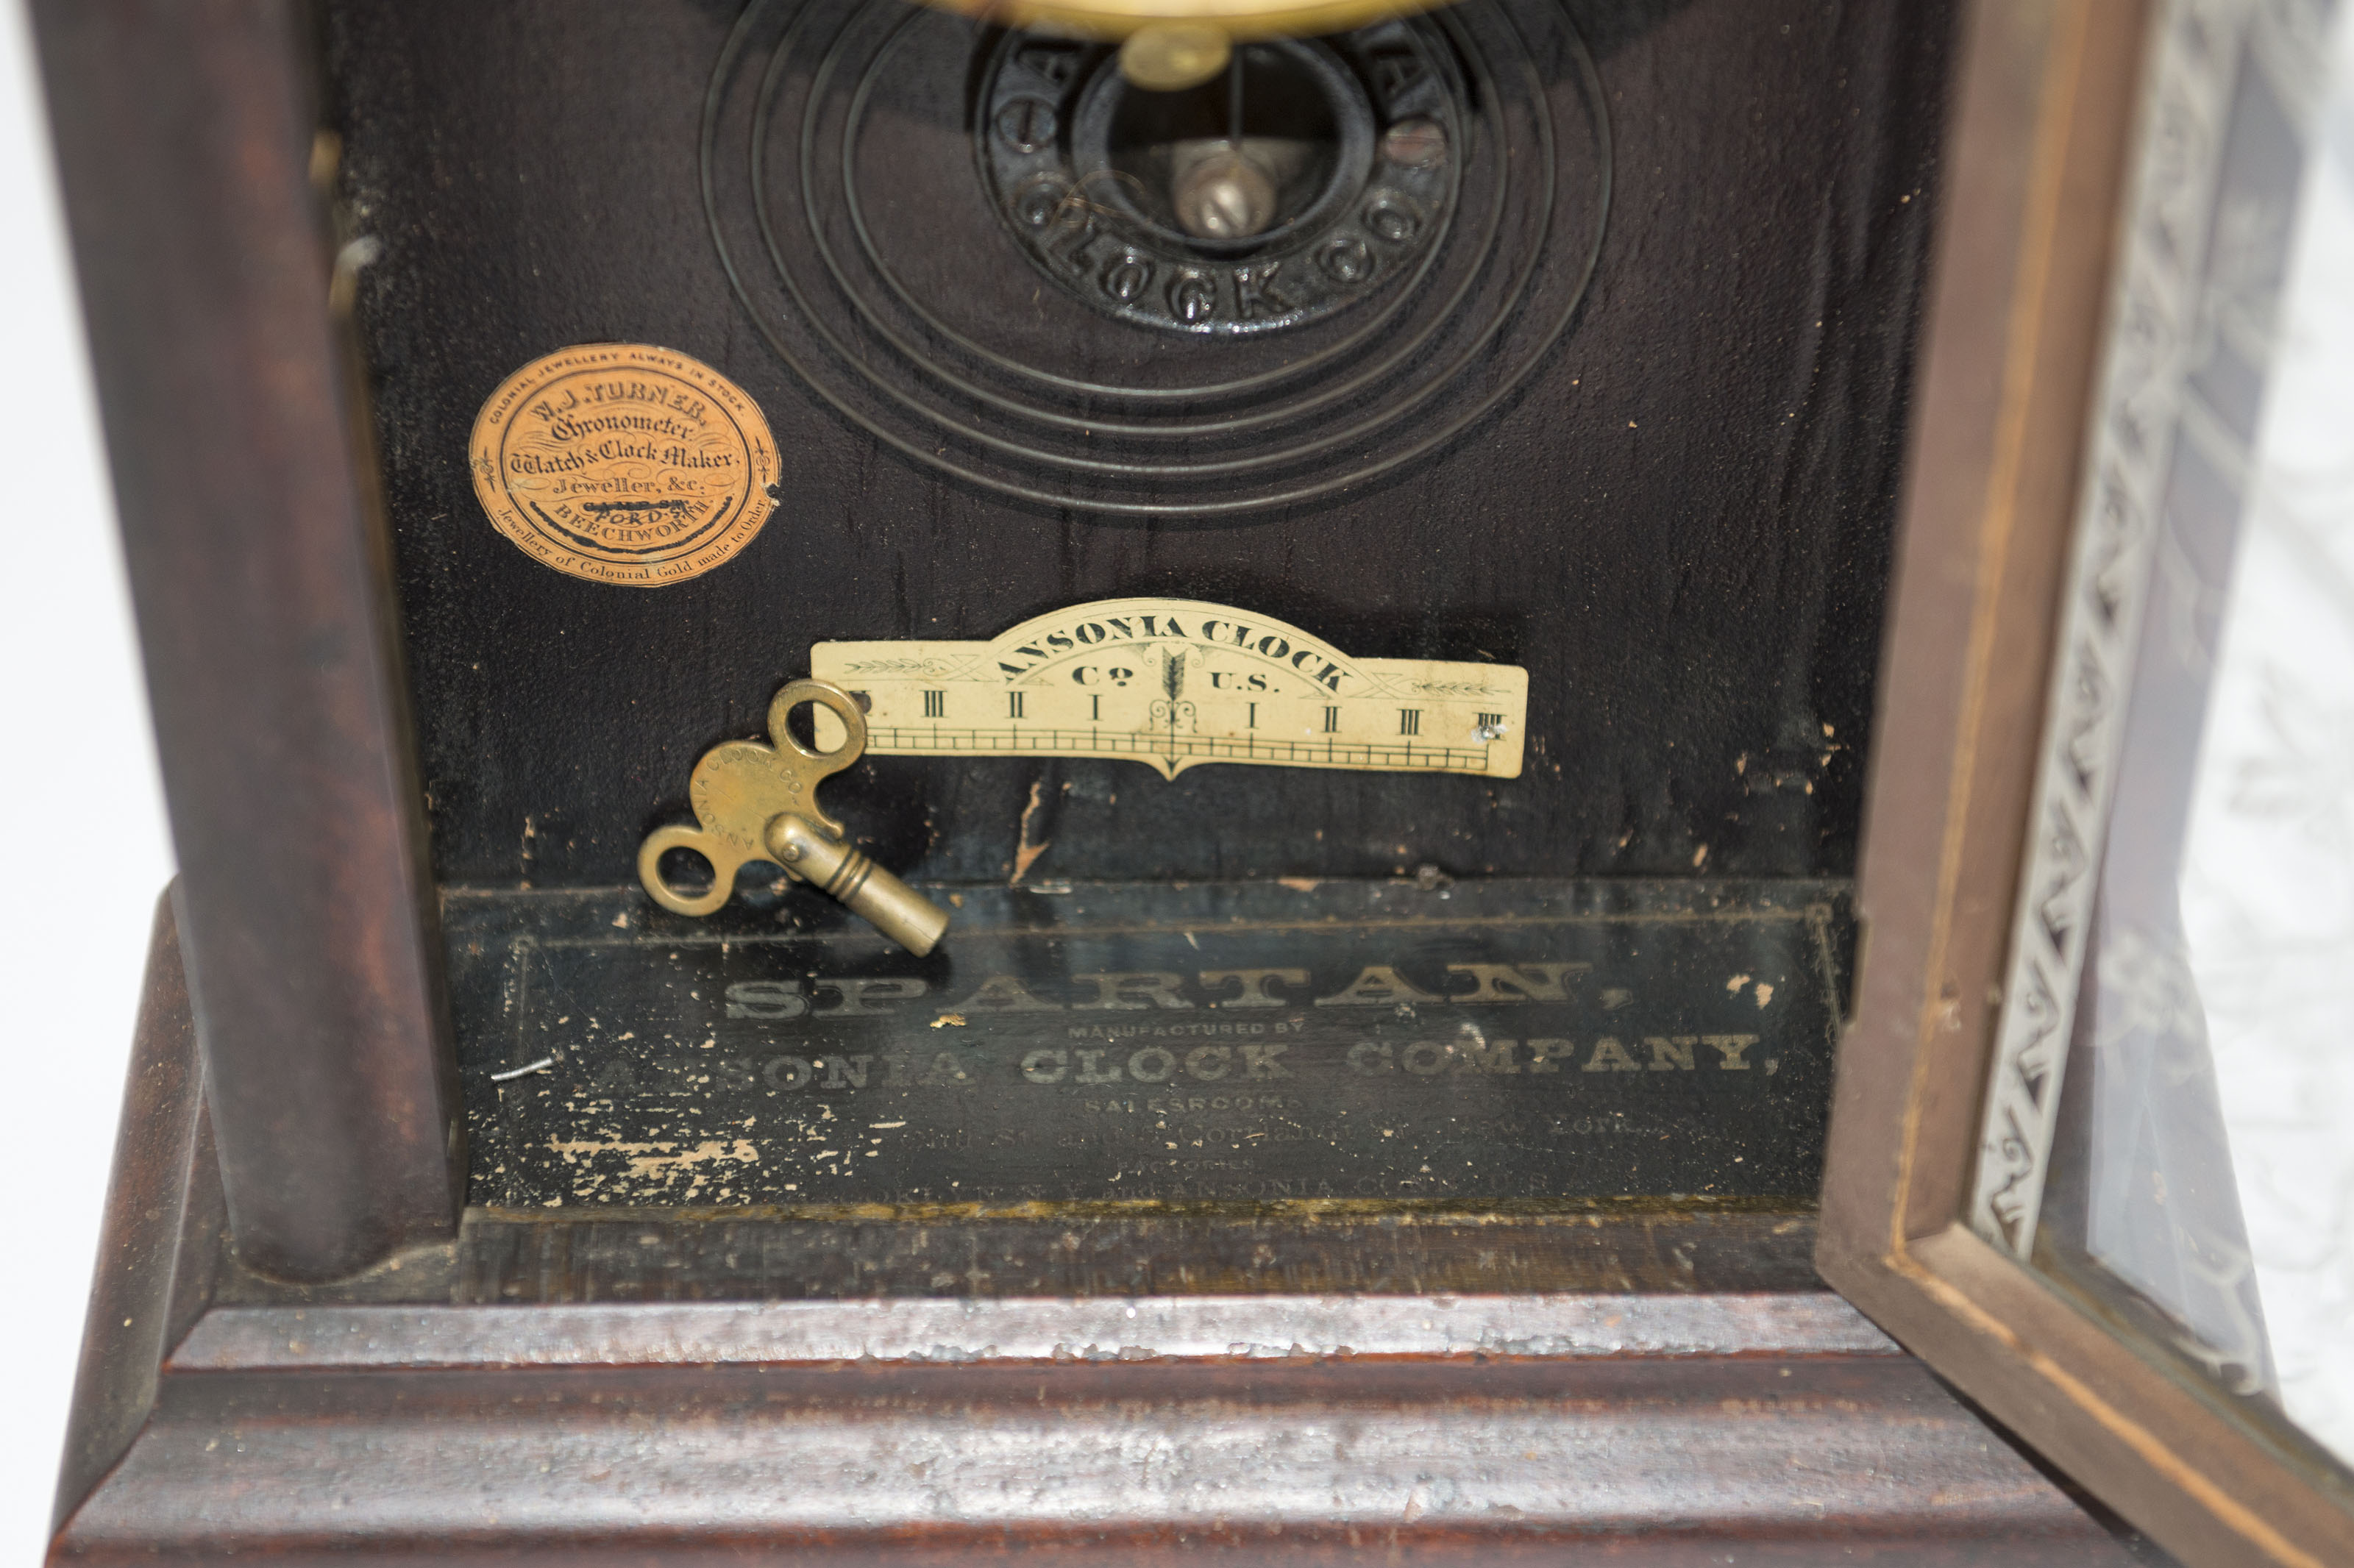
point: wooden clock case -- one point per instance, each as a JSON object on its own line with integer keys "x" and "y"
{"x": 305, "y": 241}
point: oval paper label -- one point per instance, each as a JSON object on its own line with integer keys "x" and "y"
{"x": 624, "y": 463}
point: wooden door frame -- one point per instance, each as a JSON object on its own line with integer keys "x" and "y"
{"x": 2036, "y": 184}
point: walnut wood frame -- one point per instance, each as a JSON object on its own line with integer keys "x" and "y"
{"x": 185, "y": 137}
{"x": 1662, "y": 1390}
{"x": 2043, "y": 133}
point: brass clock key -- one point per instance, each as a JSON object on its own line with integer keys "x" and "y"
{"x": 759, "y": 802}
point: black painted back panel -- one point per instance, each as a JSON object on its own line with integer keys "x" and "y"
{"x": 785, "y": 1055}
{"x": 1679, "y": 525}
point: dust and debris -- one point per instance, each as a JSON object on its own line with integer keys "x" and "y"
{"x": 663, "y": 1161}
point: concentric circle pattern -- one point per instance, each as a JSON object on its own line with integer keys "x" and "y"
{"x": 847, "y": 180}
{"x": 1045, "y": 130}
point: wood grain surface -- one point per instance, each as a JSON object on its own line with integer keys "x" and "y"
{"x": 185, "y": 139}
{"x": 1679, "y": 524}
{"x": 1728, "y": 1409}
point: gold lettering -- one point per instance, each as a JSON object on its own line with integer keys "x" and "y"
{"x": 1730, "y": 1047}
{"x": 1377, "y": 985}
{"x": 1253, "y": 983}
{"x": 1427, "y": 1057}
{"x": 765, "y": 999}
{"x": 1609, "y": 1056}
{"x": 1473, "y": 1055}
{"x": 1543, "y": 1053}
{"x": 1003, "y": 993}
{"x": 1207, "y": 1062}
{"x": 1517, "y": 982}
{"x": 1668, "y": 1056}
{"x": 1136, "y": 989}
{"x": 846, "y": 1071}
{"x": 1259, "y": 1061}
{"x": 855, "y": 992}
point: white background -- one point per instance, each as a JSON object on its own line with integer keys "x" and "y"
{"x": 79, "y": 806}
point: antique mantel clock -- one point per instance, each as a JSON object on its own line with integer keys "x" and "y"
{"x": 1090, "y": 777}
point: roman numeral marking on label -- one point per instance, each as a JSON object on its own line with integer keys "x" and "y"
{"x": 1173, "y": 684}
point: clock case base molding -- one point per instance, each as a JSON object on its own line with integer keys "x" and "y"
{"x": 1663, "y": 1387}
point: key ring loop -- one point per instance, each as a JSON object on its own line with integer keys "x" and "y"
{"x": 834, "y": 700}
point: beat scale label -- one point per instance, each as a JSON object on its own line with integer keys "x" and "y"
{"x": 1173, "y": 684}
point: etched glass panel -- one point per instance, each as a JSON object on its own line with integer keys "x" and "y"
{"x": 2267, "y": 879}
{"x": 2167, "y": 1127}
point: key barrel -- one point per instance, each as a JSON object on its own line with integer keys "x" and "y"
{"x": 834, "y": 868}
